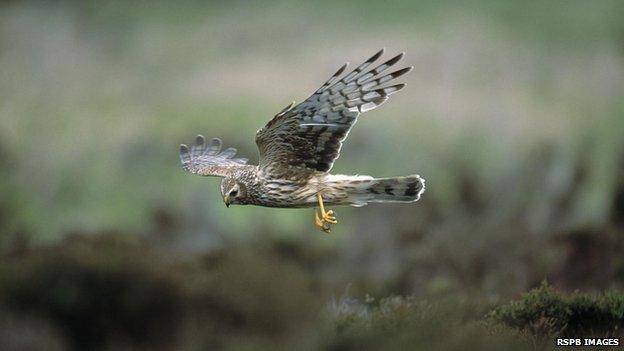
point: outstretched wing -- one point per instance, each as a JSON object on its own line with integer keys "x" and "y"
{"x": 208, "y": 159}
{"x": 310, "y": 135}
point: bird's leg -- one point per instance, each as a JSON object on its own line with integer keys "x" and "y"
{"x": 326, "y": 218}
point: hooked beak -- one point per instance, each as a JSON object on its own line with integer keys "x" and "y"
{"x": 226, "y": 199}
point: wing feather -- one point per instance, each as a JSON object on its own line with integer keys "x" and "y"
{"x": 310, "y": 135}
{"x": 208, "y": 159}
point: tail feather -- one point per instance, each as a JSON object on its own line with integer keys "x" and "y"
{"x": 398, "y": 189}
{"x": 360, "y": 190}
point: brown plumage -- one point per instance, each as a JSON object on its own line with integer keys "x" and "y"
{"x": 299, "y": 146}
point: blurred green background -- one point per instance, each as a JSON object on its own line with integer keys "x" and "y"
{"x": 514, "y": 114}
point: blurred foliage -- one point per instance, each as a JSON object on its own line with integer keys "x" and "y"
{"x": 398, "y": 323}
{"x": 513, "y": 114}
{"x": 544, "y": 312}
{"x": 96, "y": 292}
{"x": 96, "y": 96}
{"x": 107, "y": 291}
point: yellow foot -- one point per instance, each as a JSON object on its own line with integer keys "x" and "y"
{"x": 325, "y": 219}
{"x": 320, "y": 224}
{"x": 323, "y": 223}
{"x": 329, "y": 217}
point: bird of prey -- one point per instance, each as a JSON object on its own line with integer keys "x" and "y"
{"x": 298, "y": 148}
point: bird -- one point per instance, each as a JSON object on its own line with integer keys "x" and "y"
{"x": 299, "y": 146}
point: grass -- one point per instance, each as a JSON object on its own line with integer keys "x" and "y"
{"x": 106, "y": 92}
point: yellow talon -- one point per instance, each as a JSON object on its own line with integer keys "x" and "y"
{"x": 322, "y": 222}
{"x": 328, "y": 217}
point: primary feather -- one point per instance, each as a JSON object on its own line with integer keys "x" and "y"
{"x": 208, "y": 159}
{"x": 310, "y": 135}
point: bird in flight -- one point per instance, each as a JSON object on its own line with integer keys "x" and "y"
{"x": 299, "y": 146}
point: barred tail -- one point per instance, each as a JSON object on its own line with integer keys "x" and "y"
{"x": 398, "y": 189}
{"x": 360, "y": 190}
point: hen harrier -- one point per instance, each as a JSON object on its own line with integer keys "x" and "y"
{"x": 299, "y": 145}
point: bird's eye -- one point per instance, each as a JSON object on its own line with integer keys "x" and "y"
{"x": 234, "y": 193}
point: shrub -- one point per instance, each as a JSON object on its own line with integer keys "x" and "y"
{"x": 545, "y": 312}
{"x": 97, "y": 293}
{"x": 409, "y": 324}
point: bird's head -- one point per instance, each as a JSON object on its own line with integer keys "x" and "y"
{"x": 232, "y": 191}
